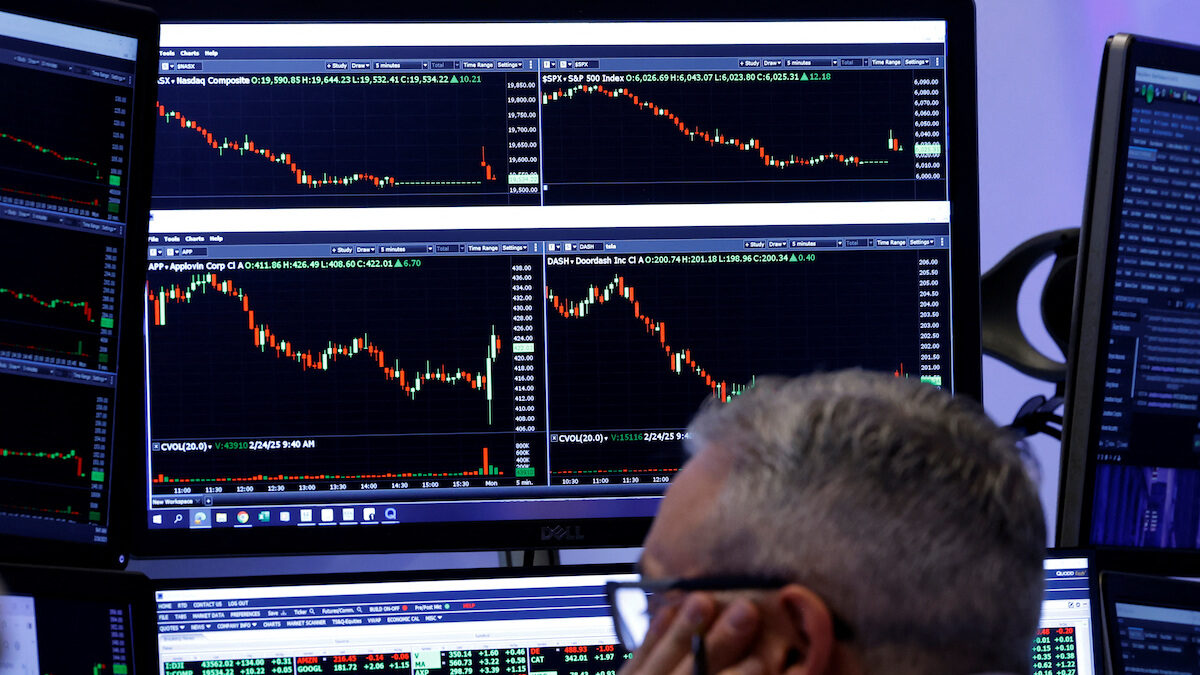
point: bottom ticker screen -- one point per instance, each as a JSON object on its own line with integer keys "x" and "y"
{"x": 512, "y": 626}
{"x": 462, "y": 627}
{"x": 1155, "y": 639}
{"x": 575, "y": 659}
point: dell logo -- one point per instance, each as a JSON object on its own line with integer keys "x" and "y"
{"x": 562, "y": 533}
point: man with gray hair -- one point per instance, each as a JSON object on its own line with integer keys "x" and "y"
{"x": 847, "y": 522}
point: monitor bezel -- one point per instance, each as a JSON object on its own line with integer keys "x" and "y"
{"x": 129, "y": 429}
{"x": 1139, "y": 589}
{"x": 962, "y": 167}
{"x": 1092, "y": 303}
{"x": 91, "y": 585}
{"x": 400, "y": 576}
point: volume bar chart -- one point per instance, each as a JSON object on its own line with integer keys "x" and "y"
{"x": 486, "y": 469}
{"x": 343, "y": 464}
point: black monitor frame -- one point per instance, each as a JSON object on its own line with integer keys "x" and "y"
{"x": 1123, "y": 53}
{"x": 607, "y": 532}
{"x": 177, "y": 583}
{"x": 102, "y": 586}
{"x": 129, "y": 430}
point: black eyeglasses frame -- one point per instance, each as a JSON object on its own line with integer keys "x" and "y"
{"x": 841, "y": 630}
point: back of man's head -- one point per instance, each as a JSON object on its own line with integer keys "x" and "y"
{"x": 908, "y": 511}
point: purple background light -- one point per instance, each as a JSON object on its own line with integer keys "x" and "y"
{"x": 1039, "y": 61}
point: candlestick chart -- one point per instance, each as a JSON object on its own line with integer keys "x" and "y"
{"x": 409, "y": 381}
{"x": 85, "y": 169}
{"x": 58, "y": 297}
{"x": 375, "y": 368}
{"x": 332, "y": 144}
{"x": 636, "y": 348}
{"x": 701, "y": 137}
{"x": 84, "y": 308}
{"x": 54, "y": 158}
{"x": 53, "y": 437}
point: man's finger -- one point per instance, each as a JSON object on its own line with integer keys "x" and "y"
{"x": 658, "y": 625}
{"x": 675, "y": 644}
{"x": 728, "y": 641}
{"x": 732, "y": 635}
{"x": 749, "y": 666}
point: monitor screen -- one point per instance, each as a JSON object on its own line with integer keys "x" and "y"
{"x": 1153, "y": 624}
{"x": 428, "y": 273}
{"x": 68, "y": 211}
{"x": 72, "y": 622}
{"x": 1157, "y": 639}
{"x": 514, "y": 625}
{"x": 1133, "y": 477}
{"x": 1065, "y": 641}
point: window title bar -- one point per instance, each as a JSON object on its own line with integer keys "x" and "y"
{"x": 65, "y": 35}
{"x": 1167, "y": 78}
{"x": 564, "y": 33}
{"x": 351, "y": 589}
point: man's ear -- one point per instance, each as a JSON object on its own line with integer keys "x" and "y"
{"x": 810, "y": 627}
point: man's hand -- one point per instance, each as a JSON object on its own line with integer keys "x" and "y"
{"x": 729, "y": 633}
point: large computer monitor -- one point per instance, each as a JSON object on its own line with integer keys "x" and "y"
{"x": 1131, "y": 477}
{"x": 462, "y": 284}
{"x": 76, "y": 133}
